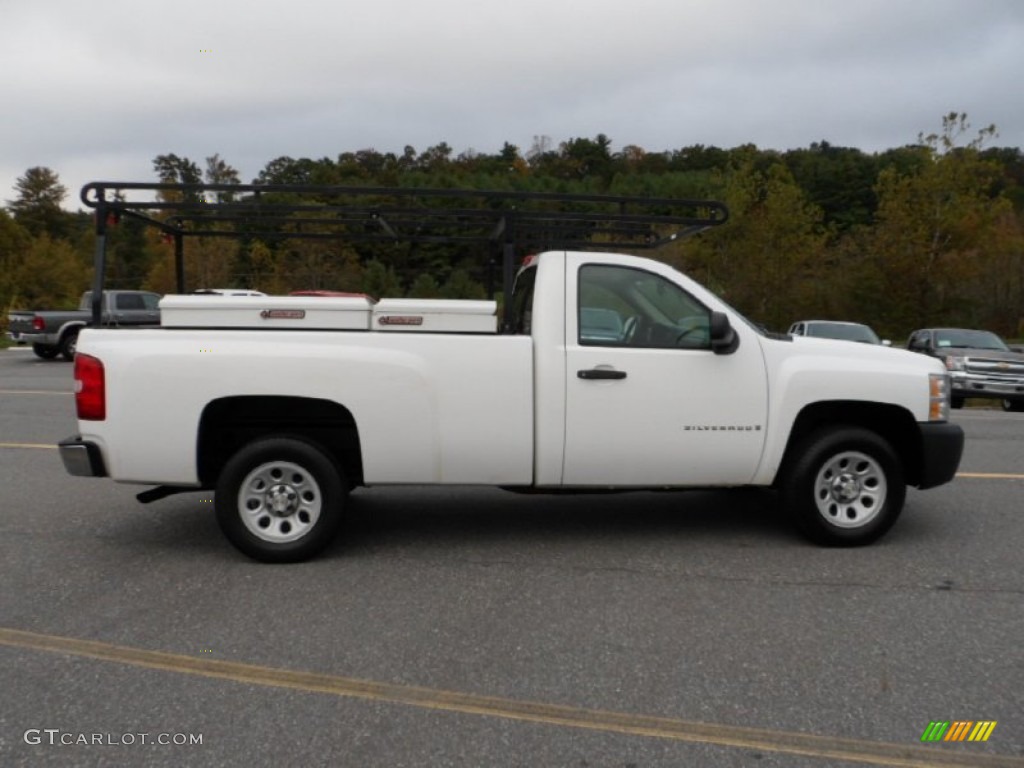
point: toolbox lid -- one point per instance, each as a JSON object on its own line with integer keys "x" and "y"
{"x": 435, "y": 316}
{"x": 296, "y": 312}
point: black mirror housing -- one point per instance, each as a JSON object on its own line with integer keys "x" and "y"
{"x": 724, "y": 339}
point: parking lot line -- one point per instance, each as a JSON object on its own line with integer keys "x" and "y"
{"x": 32, "y": 392}
{"x": 991, "y": 475}
{"x": 786, "y": 742}
{"x": 967, "y": 475}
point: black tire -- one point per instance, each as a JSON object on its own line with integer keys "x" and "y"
{"x": 1011, "y": 405}
{"x": 843, "y": 486}
{"x": 956, "y": 402}
{"x": 68, "y": 345}
{"x": 45, "y": 351}
{"x": 280, "y": 499}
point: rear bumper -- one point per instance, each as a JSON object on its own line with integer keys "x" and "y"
{"x": 81, "y": 457}
{"x": 942, "y": 445}
{"x": 46, "y": 339}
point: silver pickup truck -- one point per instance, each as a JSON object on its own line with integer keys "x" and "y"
{"x": 980, "y": 364}
{"x": 55, "y": 332}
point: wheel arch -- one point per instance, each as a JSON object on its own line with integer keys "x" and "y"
{"x": 72, "y": 326}
{"x": 228, "y": 423}
{"x": 894, "y": 424}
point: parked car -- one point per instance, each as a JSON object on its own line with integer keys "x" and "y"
{"x": 980, "y": 364}
{"x": 837, "y": 329}
{"x": 55, "y": 332}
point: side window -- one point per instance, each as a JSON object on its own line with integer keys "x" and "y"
{"x": 151, "y": 301}
{"x": 129, "y": 301}
{"x": 626, "y": 307}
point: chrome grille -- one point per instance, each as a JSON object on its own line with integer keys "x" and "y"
{"x": 994, "y": 368}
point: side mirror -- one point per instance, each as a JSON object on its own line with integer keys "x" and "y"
{"x": 886, "y": 343}
{"x": 724, "y": 339}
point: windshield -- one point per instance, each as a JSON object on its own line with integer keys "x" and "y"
{"x": 843, "y": 331}
{"x": 954, "y": 337}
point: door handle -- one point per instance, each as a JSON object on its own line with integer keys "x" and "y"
{"x": 600, "y": 373}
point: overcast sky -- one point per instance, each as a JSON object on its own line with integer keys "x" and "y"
{"x": 95, "y": 89}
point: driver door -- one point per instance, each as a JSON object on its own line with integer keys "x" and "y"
{"x": 648, "y": 403}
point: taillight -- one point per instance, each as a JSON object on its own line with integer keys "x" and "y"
{"x": 38, "y": 323}
{"x": 90, "y": 388}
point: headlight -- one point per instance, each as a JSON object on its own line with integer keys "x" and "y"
{"x": 938, "y": 396}
{"x": 954, "y": 363}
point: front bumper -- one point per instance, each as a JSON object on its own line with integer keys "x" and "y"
{"x": 942, "y": 445}
{"x": 973, "y": 385}
{"x": 81, "y": 457}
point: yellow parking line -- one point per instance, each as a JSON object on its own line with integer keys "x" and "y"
{"x": 967, "y": 475}
{"x": 787, "y": 742}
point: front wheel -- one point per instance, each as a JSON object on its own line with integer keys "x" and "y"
{"x": 279, "y": 499}
{"x": 843, "y": 486}
{"x": 1012, "y": 405}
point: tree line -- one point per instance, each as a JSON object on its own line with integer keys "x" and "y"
{"x": 931, "y": 233}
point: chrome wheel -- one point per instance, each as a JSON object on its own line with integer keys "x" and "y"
{"x": 850, "y": 489}
{"x": 279, "y": 501}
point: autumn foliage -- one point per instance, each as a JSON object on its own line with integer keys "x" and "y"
{"x": 926, "y": 234}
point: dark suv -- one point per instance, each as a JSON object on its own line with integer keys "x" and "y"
{"x": 979, "y": 364}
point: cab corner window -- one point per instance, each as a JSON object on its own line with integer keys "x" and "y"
{"x": 627, "y": 307}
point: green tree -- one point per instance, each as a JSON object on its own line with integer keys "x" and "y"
{"x": 219, "y": 172}
{"x": 37, "y": 207}
{"x": 171, "y": 169}
{"x": 14, "y": 242}
{"x": 380, "y": 281}
{"x": 51, "y": 275}
{"x": 767, "y": 260}
{"x": 460, "y": 285}
{"x": 937, "y": 228}
{"x": 425, "y": 287}
{"x": 839, "y": 180}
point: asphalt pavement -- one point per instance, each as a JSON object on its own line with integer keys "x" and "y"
{"x": 475, "y": 627}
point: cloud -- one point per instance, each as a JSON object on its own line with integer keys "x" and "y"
{"x": 100, "y": 89}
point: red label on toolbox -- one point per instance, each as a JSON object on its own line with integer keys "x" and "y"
{"x": 400, "y": 320}
{"x": 283, "y": 314}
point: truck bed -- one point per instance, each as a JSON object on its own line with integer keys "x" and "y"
{"x": 424, "y": 403}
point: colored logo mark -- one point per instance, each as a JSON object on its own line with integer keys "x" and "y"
{"x": 958, "y": 730}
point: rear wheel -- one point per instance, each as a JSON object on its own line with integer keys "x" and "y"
{"x": 280, "y": 499}
{"x": 957, "y": 402}
{"x": 843, "y": 486}
{"x": 1013, "y": 405}
{"x": 45, "y": 351}
{"x": 68, "y": 345}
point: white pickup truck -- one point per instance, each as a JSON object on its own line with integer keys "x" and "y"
{"x": 617, "y": 372}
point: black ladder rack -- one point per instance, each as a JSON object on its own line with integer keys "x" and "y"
{"x": 514, "y": 223}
